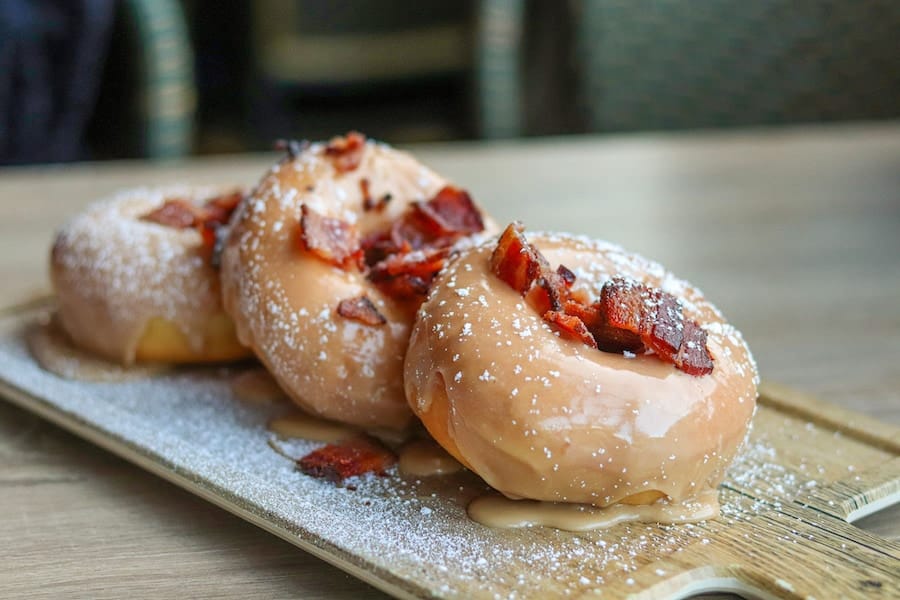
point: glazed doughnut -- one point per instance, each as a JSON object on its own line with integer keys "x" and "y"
{"x": 326, "y": 265}
{"x": 134, "y": 280}
{"x": 540, "y": 413}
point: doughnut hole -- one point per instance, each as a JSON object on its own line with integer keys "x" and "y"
{"x": 163, "y": 341}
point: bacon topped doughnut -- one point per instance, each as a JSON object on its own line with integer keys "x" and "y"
{"x": 564, "y": 369}
{"x": 135, "y": 279}
{"x": 326, "y": 265}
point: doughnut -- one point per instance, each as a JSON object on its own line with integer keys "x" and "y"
{"x": 607, "y": 380}
{"x": 326, "y": 265}
{"x": 134, "y": 279}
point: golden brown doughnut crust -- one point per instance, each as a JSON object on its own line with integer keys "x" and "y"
{"x": 136, "y": 291}
{"x": 284, "y": 298}
{"x": 546, "y": 417}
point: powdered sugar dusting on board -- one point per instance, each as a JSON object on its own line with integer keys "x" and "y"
{"x": 412, "y": 529}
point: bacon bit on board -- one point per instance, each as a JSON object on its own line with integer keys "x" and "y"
{"x": 629, "y": 316}
{"x": 332, "y": 240}
{"x": 361, "y": 309}
{"x": 349, "y": 458}
{"x": 177, "y": 212}
{"x": 346, "y": 152}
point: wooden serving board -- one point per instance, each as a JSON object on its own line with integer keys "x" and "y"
{"x": 808, "y": 470}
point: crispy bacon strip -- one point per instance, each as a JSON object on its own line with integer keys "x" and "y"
{"x": 451, "y": 211}
{"x": 217, "y": 213}
{"x": 629, "y": 316}
{"x": 368, "y": 202}
{"x": 346, "y": 152}
{"x": 207, "y": 219}
{"x": 350, "y": 458}
{"x": 403, "y": 259}
{"x": 219, "y": 209}
{"x": 408, "y": 276}
{"x": 332, "y": 240}
{"x": 693, "y": 356}
{"x": 571, "y": 326}
{"x": 361, "y": 309}
{"x": 515, "y": 261}
{"x": 567, "y": 275}
{"x": 657, "y": 319}
{"x": 177, "y": 212}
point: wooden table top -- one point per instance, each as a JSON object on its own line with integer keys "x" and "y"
{"x": 794, "y": 233}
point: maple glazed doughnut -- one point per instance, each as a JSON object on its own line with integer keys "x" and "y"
{"x": 326, "y": 265}
{"x": 134, "y": 278}
{"x": 503, "y": 368}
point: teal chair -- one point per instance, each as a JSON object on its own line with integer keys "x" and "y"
{"x": 147, "y": 100}
{"x": 166, "y": 93}
{"x": 674, "y": 64}
{"x": 679, "y": 64}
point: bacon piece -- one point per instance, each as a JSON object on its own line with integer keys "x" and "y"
{"x": 376, "y": 247}
{"x": 177, "y": 212}
{"x": 346, "y": 152}
{"x": 663, "y": 324}
{"x": 332, "y": 240}
{"x": 361, "y": 309}
{"x": 656, "y": 317}
{"x": 350, "y": 458}
{"x": 408, "y": 276}
{"x": 423, "y": 263}
{"x": 406, "y": 287}
{"x": 514, "y": 260}
{"x": 606, "y": 338}
{"x": 408, "y": 234}
{"x": 207, "y": 219}
{"x": 568, "y": 276}
{"x": 571, "y": 326}
{"x": 622, "y": 301}
{"x": 219, "y": 209}
{"x": 693, "y": 356}
{"x": 556, "y": 288}
{"x": 629, "y": 316}
{"x": 451, "y": 211}
{"x": 368, "y": 203}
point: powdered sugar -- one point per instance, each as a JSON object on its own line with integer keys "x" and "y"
{"x": 135, "y": 270}
{"x": 191, "y": 427}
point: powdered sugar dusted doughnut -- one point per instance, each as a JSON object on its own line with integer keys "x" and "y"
{"x": 134, "y": 280}
{"x": 540, "y": 414}
{"x": 327, "y": 263}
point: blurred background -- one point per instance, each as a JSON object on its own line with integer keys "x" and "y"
{"x": 160, "y": 79}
